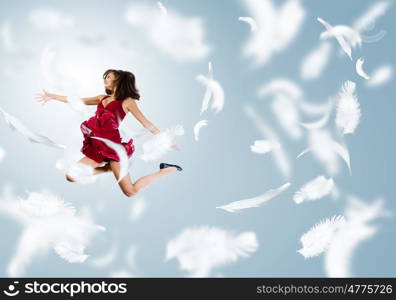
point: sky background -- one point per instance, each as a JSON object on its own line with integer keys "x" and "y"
{"x": 92, "y": 36}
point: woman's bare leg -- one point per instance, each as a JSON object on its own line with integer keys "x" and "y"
{"x": 90, "y": 162}
{"x": 129, "y": 188}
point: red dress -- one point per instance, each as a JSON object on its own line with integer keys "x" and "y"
{"x": 105, "y": 125}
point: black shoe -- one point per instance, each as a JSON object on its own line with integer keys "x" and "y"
{"x": 164, "y": 165}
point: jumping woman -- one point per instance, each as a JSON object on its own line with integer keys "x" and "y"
{"x": 121, "y": 97}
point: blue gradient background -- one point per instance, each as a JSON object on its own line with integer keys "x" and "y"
{"x": 218, "y": 169}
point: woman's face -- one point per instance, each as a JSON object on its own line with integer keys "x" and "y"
{"x": 109, "y": 81}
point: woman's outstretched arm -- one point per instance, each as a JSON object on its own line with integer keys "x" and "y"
{"x": 134, "y": 109}
{"x": 46, "y": 96}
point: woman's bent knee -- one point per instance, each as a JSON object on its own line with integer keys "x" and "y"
{"x": 130, "y": 192}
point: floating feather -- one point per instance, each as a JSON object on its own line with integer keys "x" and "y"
{"x": 281, "y": 157}
{"x": 216, "y": 91}
{"x": 161, "y": 143}
{"x": 17, "y": 125}
{"x": 380, "y": 76}
{"x": 319, "y": 238}
{"x": 252, "y": 23}
{"x": 359, "y": 69}
{"x": 348, "y": 109}
{"x": 314, "y": 63}
{"x": 254, "y": 202}
{"x": 208, "y": 91}
{"x": 321, "y": 122}
{"x": 201, "y": 249}
{"x": 263, "y": 146}
{"x": 2, "y": 154}
{"x": 340, "y": 39}
{"x": 162, "y": 8}
{"x": 314, "y": 189}
{"x": 198, "y": 127}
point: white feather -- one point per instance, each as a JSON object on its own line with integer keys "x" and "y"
{"x": 122, "y": 154}
{"x": 287, "y": 114}
{"x": 359, "y": 69}
{"x": 138, "y": 207}
{"x": 326, "y": 150}
{"x": 254, "y": 202}
{"x": 348, "y": 109}
{"x": 201, "y": 249}
{"x": 106, "y": 259}
{"x": 216, "y": 90}
{"x": 263, "y": 146}
{"x": 252, "y": 23}
{"x": 16, "y": 124}
{"x": 48, "y": 222}
{"x": 161, "y": 143}
{"x": 321, "y": 122}
{"x": 380, "y": 76}
{"x": 340, "y": 39}
{"x": 303, "y": 152}
{"x": 281, "y": 157}
{"x": 6, "y": 36}
{"x": 2, "y": 154}
{"x": 208, "y": 91}
{"x": 276, "y": 28}
{"x": 81, "y": 173}
{"x": 198, "y": 127}
{"x": 71, "y": 252}
{"x": 314, "y": 189}
{"x": 162, "y": 8}
{"x": 319, "y": 238}
{"x": 280, "y": 86}
{"x": 315, "y": 109}
{"x": 367, "y": 20}
{"x": 316, "y": 60}
{"x": 350, "y": 35}
{"x": 359, "y": 227}
{"x": 343, "y": 152}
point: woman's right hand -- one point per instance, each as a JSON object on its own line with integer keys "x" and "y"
{"x": 44, "y": 97}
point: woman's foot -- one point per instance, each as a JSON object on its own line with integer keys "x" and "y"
{"x": 165, "y": 165}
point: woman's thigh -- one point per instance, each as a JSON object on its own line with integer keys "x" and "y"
{"x": 88, "y": 161}
{"x": 125, "y": 183}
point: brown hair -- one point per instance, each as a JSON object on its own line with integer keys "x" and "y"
{"x": 125, "y": 85}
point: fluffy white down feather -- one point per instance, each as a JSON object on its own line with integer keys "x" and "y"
{"x": 201, "y": 249}
{"x": 348, "y": 109}
{"x": 161, "y": 143}
{"x": 319, "y": 238}
{"x": 314, "y": 189}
